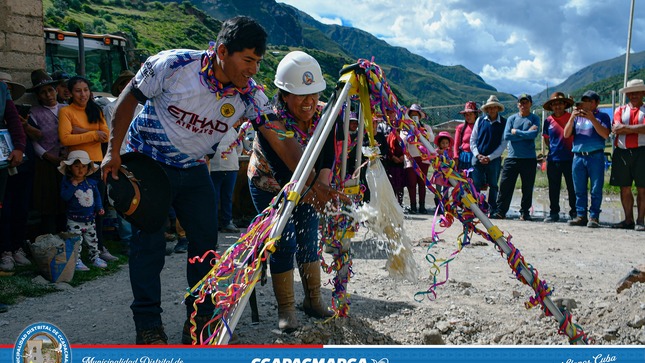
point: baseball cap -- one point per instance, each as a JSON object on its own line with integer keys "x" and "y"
{"x": 591, "y": 95}
{"x": 525, "y": 96}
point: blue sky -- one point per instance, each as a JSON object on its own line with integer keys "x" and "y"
{"x": 515, "y": 46}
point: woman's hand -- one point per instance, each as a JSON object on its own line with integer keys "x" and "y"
{"x": 103, "y": 137}
{"x": 320, "y": 196}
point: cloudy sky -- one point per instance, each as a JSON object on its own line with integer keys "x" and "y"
{"x": 516, "y": 46}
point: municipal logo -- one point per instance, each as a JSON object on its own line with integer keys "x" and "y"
{"x": 308, "y": 78}
{"x": 41, "y": 343}
{"x": 227, "y": 110}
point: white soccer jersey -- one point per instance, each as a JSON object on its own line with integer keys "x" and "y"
{"x": 182, "y": 120}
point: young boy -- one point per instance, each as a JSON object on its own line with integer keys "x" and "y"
{"x": 83, "y": 203}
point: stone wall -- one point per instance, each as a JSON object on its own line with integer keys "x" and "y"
{"x": 22, "y": 45}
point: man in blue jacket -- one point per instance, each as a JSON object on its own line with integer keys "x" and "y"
{"x": 521, "y": 131}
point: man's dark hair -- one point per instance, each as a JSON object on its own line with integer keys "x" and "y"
{"x": 242, "y": 32}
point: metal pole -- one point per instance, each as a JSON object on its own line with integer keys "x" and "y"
{"x": 306, "y": 164}
{"x": 629, "y": 47}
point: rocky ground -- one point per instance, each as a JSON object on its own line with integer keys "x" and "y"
{"x": 481, "y": 302}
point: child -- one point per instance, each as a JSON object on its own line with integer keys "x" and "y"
{"x": 444, "y": 143}
{"x": 83, "y": 203}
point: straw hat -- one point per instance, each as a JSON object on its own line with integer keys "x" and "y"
{"x": 492, "y": 101}
{"x": 557, "y": 96}
{"x": 81, "y": 156}
{"x": 633, "y": 85}
{"x": 17, "y": 90}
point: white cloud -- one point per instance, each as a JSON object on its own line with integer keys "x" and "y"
{"x": 515, "y": 46}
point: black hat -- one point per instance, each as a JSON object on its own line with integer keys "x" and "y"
{"x": 142, "y": 192}
{"x": 40, "y": 78}
{"x": 60, "y": 76}
{"x": 125, "y": 76}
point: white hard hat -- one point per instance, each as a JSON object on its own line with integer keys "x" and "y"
{"x": 299, "y": 73}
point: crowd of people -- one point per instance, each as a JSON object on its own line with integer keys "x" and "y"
{"x": 67, "y": 134}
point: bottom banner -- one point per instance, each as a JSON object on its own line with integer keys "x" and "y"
{"x": 46, "y": 343}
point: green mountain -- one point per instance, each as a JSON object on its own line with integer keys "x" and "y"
{"x": 602, "y": 77}
{"x": 414, "y": 78}
{"x": 156, "y": 25}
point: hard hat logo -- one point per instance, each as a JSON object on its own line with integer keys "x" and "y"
{"x": 308, "y": 78}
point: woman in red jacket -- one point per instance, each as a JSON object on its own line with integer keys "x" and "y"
{"x": 462, "y": 136}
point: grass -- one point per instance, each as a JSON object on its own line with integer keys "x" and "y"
{"x": 20, "y": 285}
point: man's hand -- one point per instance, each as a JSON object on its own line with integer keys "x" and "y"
{"x": 110, "y": 164}
{"x": 15, "y": 158}
{"x": 621, "y": 129}
{"x": 483, "y": 159}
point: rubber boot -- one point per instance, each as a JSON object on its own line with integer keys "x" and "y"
{"x": 312, "y": 304}
{"x": 284, "y": 295}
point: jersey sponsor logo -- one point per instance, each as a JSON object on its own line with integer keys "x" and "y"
{"x": 196, "y": 123}
{"x": 227, "y": 110}
{"x": 147, "y": 70}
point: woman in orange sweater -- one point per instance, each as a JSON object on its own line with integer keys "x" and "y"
{"x": 82, "y": 126}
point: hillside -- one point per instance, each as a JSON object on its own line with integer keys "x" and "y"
{"x": 603, "y": 77}
{"x": 152, "y": 26}
{"x": 414, "y": 78}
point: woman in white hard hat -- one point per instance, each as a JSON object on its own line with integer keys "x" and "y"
{"x": 300, "y": 82}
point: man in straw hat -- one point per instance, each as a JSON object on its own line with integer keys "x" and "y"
{"x": 487, "y": 144}
{"x": 628, "y": 161}
{"x": 192, "y": 98}
{"x": 560, "y": 157}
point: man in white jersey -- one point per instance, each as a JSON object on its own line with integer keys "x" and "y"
{"x": 191, "y": 99}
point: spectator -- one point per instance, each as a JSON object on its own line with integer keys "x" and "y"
{"x": 462, "y": 136}
{"x": 82, "y": 126}
{"x": 629, "y": 155}
{"x": 590, "y": 128}
{"x": 269, "y": 171}
{"x": 560, "y": 157}
{"x": 487, "y": 144}
{"x": 83, "y": 204}
{"x": 520, "y": 132}
{"x": 10, "y": 119}
{"x": 217, "y": 85}
{"x": 395, "y": 171}
{"x": 444, "y": 144}
{"x": 224, "y": 174}
{"x": 415, "y": 181}
{"x": 63, "y": 94}
{"x": 49, "y": 151}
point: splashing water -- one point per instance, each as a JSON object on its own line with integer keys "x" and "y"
{"x": 383, "y": 217}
